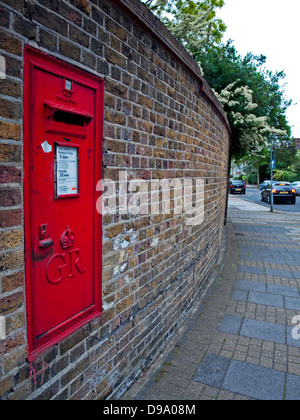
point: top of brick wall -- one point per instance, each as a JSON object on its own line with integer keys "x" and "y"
{"x": 160, "y": 31}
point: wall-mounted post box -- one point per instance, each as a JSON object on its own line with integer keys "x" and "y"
{"x": 63, "y": 118}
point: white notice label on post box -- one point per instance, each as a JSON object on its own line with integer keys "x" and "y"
{"x": 67, "y": 170}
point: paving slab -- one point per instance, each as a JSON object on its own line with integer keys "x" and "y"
{"x": 212, "y": 370}
{"x": 291, "y": 341}
{"x": 268, "y": 299}
{"x": 279, "y": 273}
{"x": 254, "y": 381}
{"x": 283, "y": 290}
{"x": 292, "y": 388}
{"x": 231, "y": 324}
{"x": 250, "y": 285}
{"x": 238, "y": 342}
{"x": 263, "y": 331}
{"x": 239, "y": 294}
{"x": 253, "y": 270}
{"x": 292, "y": 303}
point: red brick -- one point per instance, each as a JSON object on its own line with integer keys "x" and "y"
{"x": 9, "y": 174}
{"x": 82, "y": 5}
{"x": 11, "y": 260}
{"x": 11, "y": 303}
{"x": 10, "y": 197}
{"x": 10, "y": 43}
{"x": 10, "y": 218}
{"x": 9, "y": 131}
{"x": 11, "y": 344}
{"x": 12, "y": 282}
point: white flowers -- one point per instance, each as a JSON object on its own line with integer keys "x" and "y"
{"x": 238, "y": 104}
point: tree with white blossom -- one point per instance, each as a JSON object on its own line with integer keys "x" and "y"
{"x": 253, "y": 97}
{"x": 250, "y": 130}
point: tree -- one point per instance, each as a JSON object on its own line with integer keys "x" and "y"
{"x": 252, "y": 96}
{"x": 249, "y": 131}
{"x": 193, "y": 23}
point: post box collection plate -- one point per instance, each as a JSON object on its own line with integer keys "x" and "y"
{"x": 66, "y": 171}
{"x": 63, "y": 115}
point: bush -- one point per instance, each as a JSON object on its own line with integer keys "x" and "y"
{"x": 287, "y": 176}
{"x": 252, "y": 178}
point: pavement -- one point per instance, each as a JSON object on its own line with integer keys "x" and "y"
{"x": 242, "y": 341}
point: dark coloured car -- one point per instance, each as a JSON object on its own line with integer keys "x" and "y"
{"x": 283, "y": 192}
{"x": 264, "y": 184}
{"x": 237, "y": 187}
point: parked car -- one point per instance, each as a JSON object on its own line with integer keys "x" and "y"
{"x": 264, "y": 184}
{"x": 296, "y": 185}
{"x": 282, "y": 192}
{"x": 237, "y": 186}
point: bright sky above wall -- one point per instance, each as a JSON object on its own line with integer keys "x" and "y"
{"x": 271, "y": 28}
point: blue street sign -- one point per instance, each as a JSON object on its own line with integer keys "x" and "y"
{"x": 273, "y": 163}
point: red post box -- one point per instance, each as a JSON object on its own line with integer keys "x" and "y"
{"x": 63, "y": 118}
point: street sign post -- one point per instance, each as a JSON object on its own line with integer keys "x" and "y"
{"x": 272, "y": 168}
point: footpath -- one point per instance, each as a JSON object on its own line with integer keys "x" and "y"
{"x": 243, "y": 339}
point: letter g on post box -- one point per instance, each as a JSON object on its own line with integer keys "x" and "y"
{"x": 63, "y": 114}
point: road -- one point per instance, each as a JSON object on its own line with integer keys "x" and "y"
{"x": 254, "y": 195}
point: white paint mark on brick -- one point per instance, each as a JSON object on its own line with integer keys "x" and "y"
{"x": 155, "y": 242}
{"x": 2, "y": 328}
{"x": 2, "y": 67}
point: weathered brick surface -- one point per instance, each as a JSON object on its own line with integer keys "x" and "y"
{"x": 161, "y": 122}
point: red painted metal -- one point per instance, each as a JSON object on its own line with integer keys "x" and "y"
{"x": 63, "y": 120}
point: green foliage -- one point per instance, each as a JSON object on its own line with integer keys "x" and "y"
{"x": 253, "y": 97}
{"x": 286, "y": 155}
{"x": 287, "y": 162}
{"x": 287, "y": 176}
{"x": 193, "y": 23}
{"x": 225, "y": 69}
{"x": 249, "y": 130}
{"x": 252, "y": 178}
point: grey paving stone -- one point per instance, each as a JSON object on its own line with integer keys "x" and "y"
{"x": 296, "y": 274}
{"x": 250, "y": 285}
{"x": 254, "y": 381}
{"x": 230, "y": 324}
{"x": 295, "y": 262}
{"x": 283, "y": 290}
{"x": 292, "y": 388}
{"x": 279, "y": 273}
{"x": 290, "y": 340}
{"x": 238, "y": 294}
{"x": 250, "y": 258}
{"x": 292, "y": 303}
{"x": 212, "y": 370}
{"x": 268, "y": 299}
{"x": 263, "y": 331}
{"x": 252, "y": 270}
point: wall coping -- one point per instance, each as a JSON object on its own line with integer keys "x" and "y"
{"x": 147, "y": 19}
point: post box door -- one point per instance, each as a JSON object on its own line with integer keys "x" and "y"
{"x": 63, "y": 230}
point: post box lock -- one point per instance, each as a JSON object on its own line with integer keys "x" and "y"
{"x": 44, "y": 240}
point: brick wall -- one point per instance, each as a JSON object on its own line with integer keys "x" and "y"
{"x": 161, "y": 122}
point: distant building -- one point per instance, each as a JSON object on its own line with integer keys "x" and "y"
{"x": 297, "y": 144}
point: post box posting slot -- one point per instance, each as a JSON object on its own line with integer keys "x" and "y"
{"x": 63, "y": 112}
{"x": 67, "y": 115}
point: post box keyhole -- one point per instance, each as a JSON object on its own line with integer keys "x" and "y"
{"x": 43, "y": 232}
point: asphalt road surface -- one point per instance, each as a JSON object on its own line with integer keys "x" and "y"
{"x": 254, "y": 195}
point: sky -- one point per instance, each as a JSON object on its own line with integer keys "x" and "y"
{"x": 271, "y": 28}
